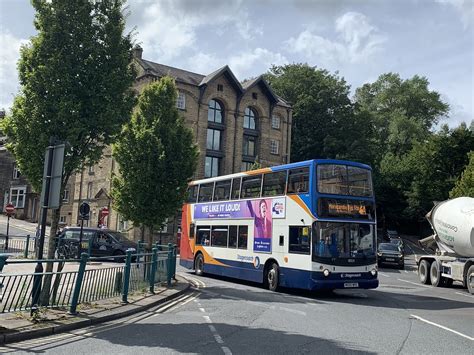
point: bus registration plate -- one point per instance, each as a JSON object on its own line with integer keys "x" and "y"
{"x": 351, "y": 284}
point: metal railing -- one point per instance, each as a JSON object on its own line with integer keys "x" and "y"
{"x": 87, "y": 283}
{"x": 18, "y": 245}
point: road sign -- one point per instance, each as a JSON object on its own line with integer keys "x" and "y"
{"x": 9, "y": 209}
{"x": 105, "y": 212}
{"x": 84, "y": 211}
{"x": 57, "y": 162}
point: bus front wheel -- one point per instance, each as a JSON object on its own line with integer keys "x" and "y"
{"x": 199, "y": 265}
{"x": 271, "y": 277}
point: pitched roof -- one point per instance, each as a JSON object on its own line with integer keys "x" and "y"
{"x": 178, "y": 74}
{"x": 225, "y": 70}
{"x": 265, "y": 87}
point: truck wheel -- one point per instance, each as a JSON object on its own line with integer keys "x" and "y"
{"x": 470, "y": 279}
{"x": 435, "y": 273}
{"x": 199, "y": 265}
{"x": 271, "y": 277}
{"x": 424, "y": 272}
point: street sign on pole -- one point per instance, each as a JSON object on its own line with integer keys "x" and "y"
{"x": 84, "y": 210}
{"x": 55, "y": 176}
{"x": 10, "y": 209}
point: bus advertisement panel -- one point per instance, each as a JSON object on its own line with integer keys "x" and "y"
{"x": 262, "y": 211}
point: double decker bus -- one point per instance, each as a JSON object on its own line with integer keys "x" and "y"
{"x": 308, "y": 225}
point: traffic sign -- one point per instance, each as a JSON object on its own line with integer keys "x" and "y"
{"x": 84, "y": 211}
{"x": 9, "y": 209}
{"x": 105, "y": 212}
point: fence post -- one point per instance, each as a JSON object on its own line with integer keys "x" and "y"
{"x": 78, "y": 286}
{"x": 175, "y": 252}
{"x": 154, "y": 266}
{"x": 170, "y": 262}
{"x": 126, "y": 278}
{"x": 89, "y": 246}
{"x": 27, "y": 246}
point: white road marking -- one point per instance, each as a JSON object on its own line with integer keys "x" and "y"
{"x": 212, "y": 328}
{"x": 381, "y": 273}
{"x": 442, "y": 327}
{"x": 464, "y": 294}
{"x": 216, "y": 336}
{"x": 202, "y": 310}
{"x": 218, "y": 339}
{"x": 293, "y": 311}
{"x": 207, "y": 319}
{"x": 226, "y": 350}
{"x": 414, "y": 283}
{"x": 406, "y": 272}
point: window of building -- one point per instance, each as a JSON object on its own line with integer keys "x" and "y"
{"x": 17, "y": 196}
{"x": 66, "y": 195}
{"x": 254, "y": 96}
{"x": 248, "y": 145}
{"x": 220, "y": 87}
{"x": 62, "y": 219}
{"x": 247, "y": 165}
{"x": 275, "y": 122}
{"x": 299, "y": 240}
{"x": 274, "y": 183}
{"x": 219, "y": 236}
{"x": 274, "y": 146}
{"x": 250, "y": 118}
{"x": 89, "y": 190}
{"x": 181, "y": 101}
{"x": 16, "y": 172}
{"x": 251, "y": 186}
{"x": 214, "y": 112}
{"x": 222, "y": 190}
{"x": 205, "y": 192}
{"x": 243, "y": 236}
{"x": 298, "y": 180}
{"x": 211, "y": 167}
{"x": 213, "y": 139}
{"x": 91, "y": 169}
{"x": 235, "y": 189}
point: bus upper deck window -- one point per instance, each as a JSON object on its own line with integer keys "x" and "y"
{"x": 298, "y": 181}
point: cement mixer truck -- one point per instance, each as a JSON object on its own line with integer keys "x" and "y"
{"x": 453, "y": 224}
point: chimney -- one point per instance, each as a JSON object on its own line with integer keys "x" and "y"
{"x": 137, "y": 52}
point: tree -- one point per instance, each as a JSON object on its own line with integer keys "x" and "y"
{"x": 156, "y": 158}
{"x": 324, "y": 124}
{"x": 465, "y": 185}
{"x": 76, "y": 79}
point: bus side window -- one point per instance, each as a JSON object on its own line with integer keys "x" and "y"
{"x": 298, "y": 181}
{"x": 243, "y": 235}
{"x": 203, "y": 235}
{"x": 274, "y": 184}
{"x": 191, "y": 230}
{"x": 235, "y": 188}
{"x": 299, "y": 240}
{"x": 205, "y": 192}
{"x": 251, "y": 186}
{"x": 222, "y": 190}
{"x": 232, "y": 237}
{"x": 192, "y": 194}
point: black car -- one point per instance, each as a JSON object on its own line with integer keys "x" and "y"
{"x": 391, "y": 233}
{"x": 390, "y": 254}
{"x": 105, "y": 242}
{"x": 397, "y": 241}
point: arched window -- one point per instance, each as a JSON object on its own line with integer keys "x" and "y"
{"x": 214, "y": 113}
{"x": 250, "y": 118}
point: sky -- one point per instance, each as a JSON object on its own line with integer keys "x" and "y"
{"x": 357, "y": 39}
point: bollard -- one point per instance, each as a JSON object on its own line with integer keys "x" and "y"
{"x": 27, "y": 246}
{"x": 154, "y": 266}
{"x": 175, "y": 252}
{"x": 170, "y": 261}
{"x": 126, "y": 280}
{"x": 77, "y": 288}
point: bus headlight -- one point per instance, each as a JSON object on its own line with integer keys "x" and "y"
{"x": 373, "y": 272}
{"x": 326, "y": 272}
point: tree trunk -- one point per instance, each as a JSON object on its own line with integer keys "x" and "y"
{"x": 45, "y": 291}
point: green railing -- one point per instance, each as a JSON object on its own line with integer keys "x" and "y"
{"x": 18, "y": 245}
{"x": 84, "y": 281}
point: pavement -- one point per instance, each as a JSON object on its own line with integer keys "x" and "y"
{"x": 20, "y": 326}
{"x": 19, "y": 227}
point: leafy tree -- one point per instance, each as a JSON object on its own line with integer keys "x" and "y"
{"x": 156, "y": 157}
{"x": 324, "y": 124}
{"x": 465, "y": 185}
{"x": 76, "y": 79}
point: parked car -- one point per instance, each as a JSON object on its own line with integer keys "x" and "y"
{"x": 391, "y": 233}
{"x": 390, "y": 254}
{"x": 105, "y": 242}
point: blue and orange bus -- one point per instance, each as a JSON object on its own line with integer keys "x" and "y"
{"x": 308, "y": 225}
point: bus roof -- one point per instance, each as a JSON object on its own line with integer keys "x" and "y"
{"x": 280, "y": 168}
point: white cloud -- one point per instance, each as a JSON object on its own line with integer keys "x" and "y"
{"x": 254, "y": 62}
{"x": 9, "y": 56}
{"x": 168, "y": 27}
{"x": 465, "y": 8}
{"x": 357, "y": 41}
{"x": 203, "y": 63}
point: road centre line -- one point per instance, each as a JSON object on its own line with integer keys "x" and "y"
{"x": 216, "y": 336}
{"x": 414, "y": 283}
{"x": 442, "y": 327}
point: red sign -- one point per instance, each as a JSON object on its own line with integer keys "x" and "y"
{"x": 105, "y": 212}
{"x": 10, "y": 209}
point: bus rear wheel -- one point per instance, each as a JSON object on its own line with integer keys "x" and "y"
{"x": 271, "y": 277}
{"x": 199, "y": 265}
